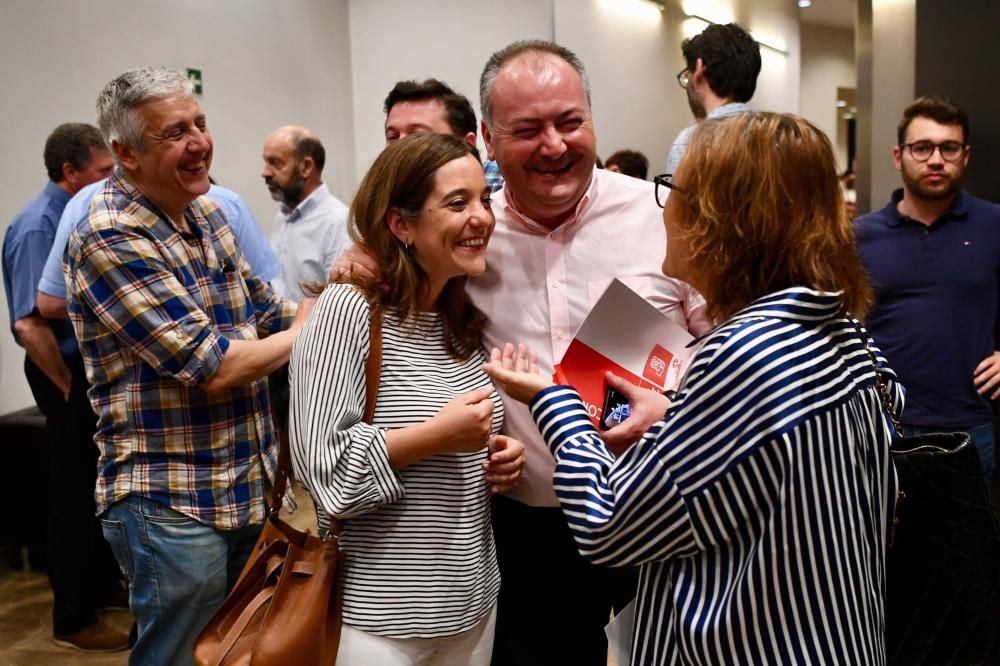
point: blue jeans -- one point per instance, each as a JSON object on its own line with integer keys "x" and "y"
{"x": 179, "y": 572}
{"x": 982, "y": 437}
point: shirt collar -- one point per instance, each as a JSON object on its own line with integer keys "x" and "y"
{"x": 729, "y": 109}
{"x": 582, "y": 207}
{"x": 191, "y": 212}
{"x": 793, "y": 304}
{"x": 306, "y": 205}
{"x": 56, "y": 193}
{"x": 959, "y": 209}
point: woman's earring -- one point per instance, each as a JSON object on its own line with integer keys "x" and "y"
{"x": 409, "y": 249}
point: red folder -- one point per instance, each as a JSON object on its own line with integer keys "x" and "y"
{"x": 627, "y": 335}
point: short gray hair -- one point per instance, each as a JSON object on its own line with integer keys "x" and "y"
{"x": 508, "y": 53}
{"x": 116, "y": 105}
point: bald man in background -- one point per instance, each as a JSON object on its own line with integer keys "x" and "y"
{"x": 310, "y": 229}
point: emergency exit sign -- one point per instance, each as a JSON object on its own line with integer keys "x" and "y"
{"x": 194, "y": 75}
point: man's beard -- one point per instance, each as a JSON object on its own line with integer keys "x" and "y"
{"x": 917, "y": 188}
{"x": 697, "y": 108}
{"x": 290, "y": 194}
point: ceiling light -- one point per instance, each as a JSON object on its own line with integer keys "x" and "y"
{"x": 805, "y": 3}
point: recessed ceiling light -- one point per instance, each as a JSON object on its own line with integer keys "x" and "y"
{"x": 805, "y": 3}
{"x": 841, "y": 103}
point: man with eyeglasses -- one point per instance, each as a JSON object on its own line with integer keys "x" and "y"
{"x": 720, "y": 77}
{"x": 933, "y": 255}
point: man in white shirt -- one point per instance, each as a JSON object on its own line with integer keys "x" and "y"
{"x": 310, "y": 229}
{"x": 720, "y": 76}
{"x": 563, "y": 231}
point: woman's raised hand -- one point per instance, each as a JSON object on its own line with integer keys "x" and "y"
{"x": 516, "y": 372}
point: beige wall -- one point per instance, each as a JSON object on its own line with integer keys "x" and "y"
{"x": 264, "y": 64}
{"x": 328, "y": 64}
{"x": 644, "y": 109}
{"x": 450, "y": 41}
{"x": 886, "y": 54}
{"x": 827, "y": 63}
{"x": 775, "y": 22}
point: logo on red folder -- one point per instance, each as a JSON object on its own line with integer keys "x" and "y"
{"x": 657, "y": 365}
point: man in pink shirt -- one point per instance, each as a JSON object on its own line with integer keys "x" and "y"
{"x": 564, "y": 230}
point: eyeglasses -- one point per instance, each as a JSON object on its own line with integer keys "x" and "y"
{"x": 921, "y": 151}
{"x": 684, "y": 78}
{"x": 664, "y": 182}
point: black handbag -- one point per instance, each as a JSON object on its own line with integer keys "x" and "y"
{"x": 942, "y": 602}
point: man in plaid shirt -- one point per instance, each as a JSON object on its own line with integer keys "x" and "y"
{"x": 178, "y": 337}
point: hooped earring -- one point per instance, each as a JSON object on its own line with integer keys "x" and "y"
{"x": 409, "y": 249}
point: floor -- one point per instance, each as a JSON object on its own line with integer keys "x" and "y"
{"x": 26, "y": 609}
{"x": 26, "y": 625}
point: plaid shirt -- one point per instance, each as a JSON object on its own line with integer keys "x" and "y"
{"x": 154, "y": 308}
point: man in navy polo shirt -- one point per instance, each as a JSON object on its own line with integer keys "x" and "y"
{"x": 933, "y": 255}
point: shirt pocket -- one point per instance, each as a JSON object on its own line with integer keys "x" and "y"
{"x": 231, "y": 298}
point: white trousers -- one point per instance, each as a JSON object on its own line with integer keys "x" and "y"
{"x": 472, "y": 647}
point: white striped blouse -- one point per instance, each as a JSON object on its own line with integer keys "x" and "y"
{"x": 420, "y": 559}
{"x": 758, "y": 508}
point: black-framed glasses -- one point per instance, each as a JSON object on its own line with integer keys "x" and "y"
{"x": 921, "y": 151}
{"x": 664, "y": 182}
{"x": 684, "y": 78}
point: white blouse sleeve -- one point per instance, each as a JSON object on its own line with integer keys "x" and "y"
{"x": 341, "y": 460}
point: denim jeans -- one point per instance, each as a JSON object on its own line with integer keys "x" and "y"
{"x": 179, "y": 572}
{"x": 982, "y": 437}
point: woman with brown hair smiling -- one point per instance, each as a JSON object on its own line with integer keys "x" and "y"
{"x": 758, "y": 506}
{"x": 421, "y": 578}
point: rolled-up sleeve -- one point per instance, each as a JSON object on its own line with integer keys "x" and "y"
{"x": 127, "y": 284}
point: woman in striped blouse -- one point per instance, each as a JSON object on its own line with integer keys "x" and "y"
{"x": 421, "y": 577}
{"x": 758, "y": 505}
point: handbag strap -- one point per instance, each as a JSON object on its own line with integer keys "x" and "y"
{"x": 373, "y": 371}
{"x": 373, "y": 364}
{"x": 883, "y": 388}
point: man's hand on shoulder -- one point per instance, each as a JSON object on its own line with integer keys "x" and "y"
{"x": 302, "y": 313}
{"x": 987, "y": 376}
{"x": 356, "y": 263}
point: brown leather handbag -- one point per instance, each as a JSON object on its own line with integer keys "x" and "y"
{"x": 285, "y": 609}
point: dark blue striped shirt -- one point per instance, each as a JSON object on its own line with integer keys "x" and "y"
{"x": 758, "y": 508}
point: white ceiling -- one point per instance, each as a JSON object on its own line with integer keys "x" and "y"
{"x": 835, "y": 13}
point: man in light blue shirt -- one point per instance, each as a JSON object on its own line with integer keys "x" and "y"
{"x": 723, "y": 62}
{"x": 81, "y": 568}
{"x": 52, "y": 288}
{"x": 310, "y": 229}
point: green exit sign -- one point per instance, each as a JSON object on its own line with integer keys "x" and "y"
{"x": 195, "y": 77}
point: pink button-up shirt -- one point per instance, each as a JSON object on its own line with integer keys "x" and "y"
{"x": 539, "y": 286}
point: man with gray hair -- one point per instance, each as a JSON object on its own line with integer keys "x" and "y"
{"x": 564, "y": 230}
{"x": 310, "y": 229}
{"x": 169, "y": 318}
